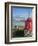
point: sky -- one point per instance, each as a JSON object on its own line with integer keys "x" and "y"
{"x": 22, "y": 13}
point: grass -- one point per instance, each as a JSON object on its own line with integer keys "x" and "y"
{"x": 19, "y": 33}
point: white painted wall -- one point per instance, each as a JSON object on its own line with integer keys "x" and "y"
{"x": 2, "y": 23}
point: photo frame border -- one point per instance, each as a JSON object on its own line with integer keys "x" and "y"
{"x": 7, "y": 22}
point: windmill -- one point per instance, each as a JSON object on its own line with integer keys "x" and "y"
{"x": 28, "y": 25}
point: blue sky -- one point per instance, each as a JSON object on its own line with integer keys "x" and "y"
{"x": 21, "y": 12}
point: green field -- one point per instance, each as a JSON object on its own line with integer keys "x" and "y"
{"x": 19, "y": 33}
